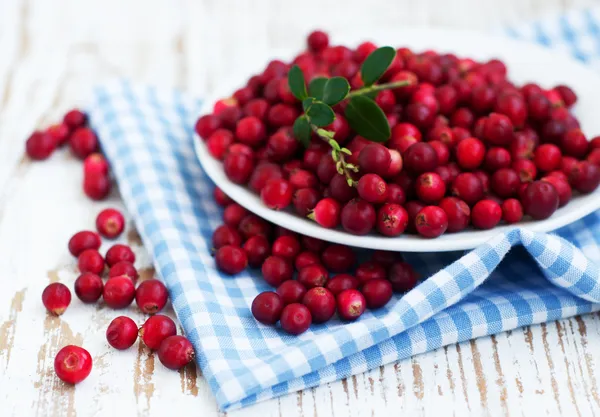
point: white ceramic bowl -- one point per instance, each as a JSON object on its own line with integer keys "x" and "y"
{"x": 525, "y": 62}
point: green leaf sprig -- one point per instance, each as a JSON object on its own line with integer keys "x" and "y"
{"x": 363, "y": 114}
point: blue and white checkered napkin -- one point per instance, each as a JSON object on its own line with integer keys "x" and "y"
{"x": 147, "y": 135}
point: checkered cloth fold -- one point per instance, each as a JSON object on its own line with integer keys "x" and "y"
{"x": 516, "y": 279}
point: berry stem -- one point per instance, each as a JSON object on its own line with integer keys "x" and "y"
{"x": 377, "y": 88}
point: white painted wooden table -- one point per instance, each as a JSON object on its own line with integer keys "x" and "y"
{"x": 50, "y": 54}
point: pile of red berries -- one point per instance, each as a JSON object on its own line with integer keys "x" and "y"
{"x": 73, "y": 363}
{"x": 467, "y": 146}
{"x": 316, "y": 293}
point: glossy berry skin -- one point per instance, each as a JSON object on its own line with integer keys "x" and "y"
{"x": 431, "y": 222}
{"x": 377, "y": 292}
{"x": 539, "y": 200}
{"x": 75, "y": 119}
{"x": 374, "y": 159}
{"x": 277, "y": 194}
{"x": 123, "y": 268}
{"x": 267, "y": 306}
{"x": 295, "y": 318}
{"x": 110, "y": 223}
{"x": 486, "y": 214}
{"x": 238, "y": 167}
{"x": 291, "y": 292}
{"x": 402, "y": 276}
{"x": 257, "y": 249}
{"x": 470, "y": 153}
{"x": 206, "y": 125}
{"x": 468, "y": 187}
{"x": 321, "y": 304}
{"x": 276, "y": 270}
{"x": 96, "y": 186}
{"x": 358, "y": 217}
{"x": 226, "y": 235}
{"x": 56, "y": 298}
{"x": 231, "y": 259}
{"x": 83, "y": 142}
{"x": 287, "y": 247}
{"x": 306, "y": 258}
{"x": 252, "y": 225}
{"x": 420, "y": 158}
{"x": 342, "y": 282}
{"x": 547, "y": 157}
{"x": 585, "y": 177}
{"x": 151, "y": 296}
{"x": 574, "y": 143}
{"x": 317, "y": 41}
{"x": 118, "y": 292}
{"x": 372, "y": 188}
{"x": 512, "y": 211}
{"x": 40, "y": 145}
{"x": 338, "y": 258}
{"x": 351, "y": 304}
{"x": 370, "y": 270}
{"x": 119, "y": 253}
{"x": 90, "y": 260}
{"x": 122, "y": 333}
{"x": 458, "y": 212}
{"x": 562, "y": 187}
{"x": 326, "y": 213}
{"x": 250, "y": 131}
{"x": 156, "y": 329}
{"x": 392, "y": 219}
{"x": 313, "y": 276}
{"x": 505, "y": 182}
{"x": 95, "y": 164}
{"x": 233, "y": 214}
{"x": 72, "y": 364}
{"x": 175, "y": 352}
{"x": 84, "y": 240}
{"x": 430, "y": 187}
{"x": 88, "y": 287}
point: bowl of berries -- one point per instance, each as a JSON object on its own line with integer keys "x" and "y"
{"x": 436, "y": 145}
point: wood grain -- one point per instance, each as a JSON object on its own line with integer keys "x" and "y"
{"x": 52, "y": 52}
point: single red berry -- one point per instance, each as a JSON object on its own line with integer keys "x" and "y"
{"x": 72, "y": 364}
{"x": 233, "y": 215}
{"x": 420, "y": 114}
{"x": 468, "y": 187}
{"x": 226, "y": 235}
{"x": 470, "y": 153}
{"x": 497, "y": 158}
{"x": 219, "y": 142}
{"x": 442, "y": 151}
{"x": 574, "y": 143}
{"x": 402, "y": 276}
{"x": 567, "y": 95}
{"x": 540, "y": 200}
{"x": 377, "y": 292}
{"x": 221, "y": 198}
{"x": 75, "y": 119}
{"x": 295, "y": 318}
{"x": 513, "y": 106}
{"x": 392, "y": 219}
{"x": 250, "y": 131}
{"x": 291, "y": 292}
{"x": 430, "y": 187}
{"x": 458, "y": 212}
{"x": 175, "y": 352}
{"x": 156, "y": 329}
{"x": 375, "y": 159}
{"x": 90, "y": 260}
{"x": 370, "y": 270}
{"x": 56, "y": 298}
{"x": 306, "y": 258}
{"x": 83, "y": 240}
{"x": 314, "y": 275}
{"x": 267, "y": 306}
{"x": 238, "y": 167}
{"x": 372, "y": 188}
{"x": 553, "y": 130}
{"x": 257, "y": 249}
{"x": 96, "y": 186}
{"x": 110, "y": 223}
{"x": 321, "y": 304}
{"x": 562, "y": 187}
{"x": 462, "y": 117}
{"x": 351, "y": 304}
{"x": 95, "y": 164}
{"x": 498, "y": 129}
{"x": 243, "y": 95}
{"x": 277, "y": 194}
{"x": 40, "y": 145}
{"x": 305, "y": 200}
{"x": 231, "y": 259}
{"x": 83, "y": 142}
{"x": 486, "y": 214}
{"x": 396, "y": 194}
{"x": 276, "y": 270}
{"x": 338, "y": 258}
{"x": 340, "y": 190}
{"x": 206, "y": 125}
{"x": 431, "y": 222}
{"x": 252, "y": 225}
{"x": 342, "y": 282}
{"x": 593, "y": 157}
{"x": 326, "y": 213}
{"x": 512, "y": 211}
{"x": 317, "y": 41}
{"x": 122, "y": 333}
{"x": 118, "y": 292}
{"x": 287, "y": 247}
{"x": 525, "y": 169}
{"x": 413, "y": 208}
{"x": 483, "y": 99}
{"x": 123, "y": 268}
{"x": 257, "y": 107}
{"x": 505, "y": 182}
{"x": 301, "y": 178}
{"x": 547, "y": 157}
{"x": 326, "y": 169}
{"x": 118, "y": 253}
{"x": 538, "y": 107}
{"x": 358, "y": 217}
{"x": 88, "y": 287}
{"x": 420, "y": 158}
{"x": 282, "y": 115}
{"x": 585, "y": 177}
{"x": 151, "y": 296}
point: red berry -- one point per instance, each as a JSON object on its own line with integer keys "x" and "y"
{"x": 321, "y": 304}
{"x": 326, "y": 169}
{"x": 252, "y": 225}
{"x": 287, "y": 247}
{"x": 402, "y": 276}
{"x": 338, "y": 258}
{"x": 442, "y": 151}
{"x": 540, "y": 200}
{"x": 525, "y": 169}
{"x": 276, "y": 270}
{"x": 370, "y": 270}
{"x": 342, "y": 282}
{"x": 118, "y": 253}
{"x": 56, "y": 298}
{"x": 118, "y": 292}
{"x": 593, "y": 157}
{"x": 505, "y": 182}
{"x": 313, "y": 276}
{"x": 431, "y": 222}
{"x": 122, "y": 333}
{"x": 291, "y": 292}
{"x": 151, "y": 296}
{"x": 372, "y": 188}
{"x": 219, "y": 142}
{"x": 567, "y": 95}
{"x": 358, "y": 217}
{"x": 458, "y": 212}
{"x": 175, "y": 352}
{"x": 257, "y": 107}
{"x": 96, "y": 186}
{"x": 317, "y": 41}
{"x": 392, "y": 219}
{"x": 156, "y": 329}
{"x": 396, "y": 194}
{"x": 277, "y": 194}
{"x": 72, "y": 364}
{"x": 513, "y": 106}
{"x": 430, "y": 187}
{"x": 238, "y": 167}
{"x": 267, "y": 306}
{"x": 512, "y": 211}
{"x": 497, "y": 158}
{"x": 233, "y": 215}
{"x": 90, "y": 260}
{"x": 305, "y": 200}
{"x": 468, "y": 187}
{"x": 498, "y": 129}
{"x": 326, "y": 213}
{"x": 83, "y": 142}
{"x": 562, "y": 187}
{"x": 282, "y": 115}
{"x": 257, "y": 249}
{"x": 301, "y": 178}
{"x": 340, "y": 190}
{"x": 295, "y": 318}
{"x": 486, "y": 214}
{"x": 231, "y": 259}
{"x": 207, "y": 125}
{"x": 84, "y": 240}
{"x": 574, "y": 143}
{"x": 350, "y": 304}
{"x": 250, "y": 131}
{"x": 538, "y": 107}
{"x": 305, "y": 259}
{"x": 110, "y": 223}
{"x": 95, "y": 164}
{"x": 221, "y": 198}
{"x": 462, "y": 117}
{"x": 585, "y": 177}
{"x": 75, "y": 119}
{"x": 470, "y": 153}
{"x": 377, "y": 292}
{"x": 420, "y": 158}
{"x": 262, "y": 174}
{"x": 88, "y": 287}
{"x": 313, "y": 244}
{"x": 375, "y": 159}
{"x": 226, "y": 235}
{"x": 40, "y": 145}
{"x": 547, "y": 157}
{"x": 123, "y": 268}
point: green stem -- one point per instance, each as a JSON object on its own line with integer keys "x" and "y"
{"x": 378, "y": 87}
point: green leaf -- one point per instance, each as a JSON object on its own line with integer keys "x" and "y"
{"x": 335, "y": 90}
{"x": 296, "y": 83}
{"x": 307, "y": 102}
{"x": 315, "y": 89}
{"x": 376, "y": 63}
{"x": 367, "y": 119}
{"x": 320, "y": 114}
{"x": 302, "y": 131}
